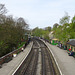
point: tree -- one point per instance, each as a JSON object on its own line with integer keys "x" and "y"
{"x": 21, "y": 22}
{"x": 40, "y": 33}
{"x": 3, "y": 9}
{"x": 55, "y": 25}
{"x": 64, "y": 19}
{"x": 11, "y": 34}
{"x": 48, "y": 28}
{"x": 73, "y": 24}
{"x": 72, "y": 28}
{"x": 11, "y": 31}
{"x": 62, "y": 32}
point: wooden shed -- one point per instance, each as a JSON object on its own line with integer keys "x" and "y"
{"x": 54, "y": 41}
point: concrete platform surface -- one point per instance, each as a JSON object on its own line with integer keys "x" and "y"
{"x": 65, "y": 62}
{"x": 10, "y": 67}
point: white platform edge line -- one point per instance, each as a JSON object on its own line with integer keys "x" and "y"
{"x": 55, "y": 61}
{"x": 54, "y": 58}
{"x": 20, "y": 63}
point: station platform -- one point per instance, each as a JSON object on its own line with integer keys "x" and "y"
{"x": 65, "y": 62}
{"x": 10, "y": 67}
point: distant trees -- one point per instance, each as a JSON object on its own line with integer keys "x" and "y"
{"x": 11, "y": 31}
{"x": 73, "y": 24}
{"x": 39, "y": 32}
{"x": 65, "y": 30}
{"x": 62, "y": 31}
{"x": 64, "y": 19}
{"x": 48, "y": 28}
{"x": 72, "y": 28}
{"x": 55, "y": 25}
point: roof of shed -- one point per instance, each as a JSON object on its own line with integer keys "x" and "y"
{"x": 54, "y": 39}
{"x": 71, "y": 42}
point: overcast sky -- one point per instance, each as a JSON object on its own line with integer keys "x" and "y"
{"x": 41, "y": 13}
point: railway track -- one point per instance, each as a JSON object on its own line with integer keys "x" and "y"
{"x": 47, "y": 65}
{"x": 31, "y": 69}
{"x": 38, "y": 62}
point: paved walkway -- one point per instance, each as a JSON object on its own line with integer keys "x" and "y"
{"x": 66, "y": 63}
{"x": 10, "y": 67}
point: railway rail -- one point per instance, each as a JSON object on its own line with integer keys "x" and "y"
{"x": 38, "y": 62}
{"x": 47, "y": 65}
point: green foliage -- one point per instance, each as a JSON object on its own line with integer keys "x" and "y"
{"x": 62, "y": 32}
{"x": 48, "y": 28}
{"x": 65, "y": 19}
{"x": 73, "y": 24}
{"x": 65, "y": 31}
{"x": 40, "y": 32}
{"x": 11, "y": 33}
{"x": 55, "y": 25}
{"x": 20, "y": 45}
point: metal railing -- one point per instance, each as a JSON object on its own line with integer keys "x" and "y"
{"x": 6, "y": 58}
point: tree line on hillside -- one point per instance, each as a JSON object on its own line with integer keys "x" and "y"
{"x": 12, "y": 31}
